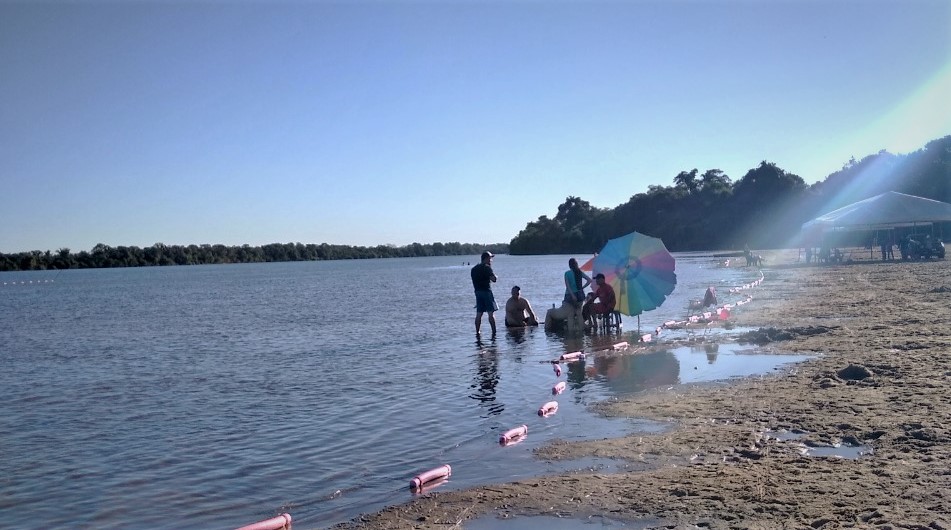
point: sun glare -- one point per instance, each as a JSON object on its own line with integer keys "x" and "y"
{"x": 923, "y": 116}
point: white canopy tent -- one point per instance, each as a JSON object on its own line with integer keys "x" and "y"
{"x": 888, "y": 210}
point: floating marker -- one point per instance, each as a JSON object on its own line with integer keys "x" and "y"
{"x": 559, "y": 387}
{"x": 274, "y": 523}
{"x": 440, "y": 472}
{"x": 620, "y": 346}
{"x": 646, "y": 337}
{"x": 557, "y": 370}
{"x": 548, "y": 408}
{"x": 512, "y": 434}
{"x": 573, "y": 356}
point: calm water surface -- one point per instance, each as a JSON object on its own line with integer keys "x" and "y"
{"x": 215, "y": 396}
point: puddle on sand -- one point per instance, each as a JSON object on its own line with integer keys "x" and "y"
{"x": 712, "y": 362}
{"x": 849, "y": 452}
{"x": 551, "y": 522}
{"x": 623, "y": 374}
{"x": 785, "y": 436}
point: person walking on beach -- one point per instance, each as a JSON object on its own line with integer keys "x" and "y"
{"x": 518, "y": 312}
{"x": 482, "y": 278}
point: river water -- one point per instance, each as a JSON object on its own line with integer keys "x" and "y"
{"x": 216, "y": 396}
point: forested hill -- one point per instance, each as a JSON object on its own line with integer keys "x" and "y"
{"x": 159, "y": 254}
{"x": 764, "y": 208}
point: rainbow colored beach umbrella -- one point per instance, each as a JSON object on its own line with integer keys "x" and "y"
{"x": 640, "y": 269}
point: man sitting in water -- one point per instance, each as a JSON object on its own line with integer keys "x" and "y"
{"x": 518, "y": 312}
{"x": 605, "y": 294}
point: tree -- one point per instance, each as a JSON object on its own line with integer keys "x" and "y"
{"x": 715, "y": 181}
{"x": 687, "y": 180}
{"x": 573, "y": 212}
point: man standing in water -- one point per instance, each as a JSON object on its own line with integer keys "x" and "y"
{"x": 482, "y": 276}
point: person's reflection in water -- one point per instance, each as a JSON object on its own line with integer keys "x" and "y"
{"x": 516, "y": 335}
{"x": 576, "y": 374}
{"x": 608, "y": 366}
{"x": 711, "y": 350}
{"x": 486, "y": 379}
{"x": 517, "y": 338}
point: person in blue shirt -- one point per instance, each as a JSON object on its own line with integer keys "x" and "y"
{"x": 575, "y": 282}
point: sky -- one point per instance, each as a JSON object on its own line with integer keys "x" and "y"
{"x": 393, "y": 122}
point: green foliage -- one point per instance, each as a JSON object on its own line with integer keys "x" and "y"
{"x": 159, "y": 254}
{"x": 764, "y": 209}
{"x": 576, "y": 228}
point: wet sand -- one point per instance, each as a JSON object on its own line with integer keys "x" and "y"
{"x": 882, "y": 379}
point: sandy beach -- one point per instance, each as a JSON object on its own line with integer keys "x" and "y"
{"x": 881, "y": 333}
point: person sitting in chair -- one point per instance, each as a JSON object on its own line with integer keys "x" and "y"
{"x": 518, "y": 312}
{"x": 604, "y": 293}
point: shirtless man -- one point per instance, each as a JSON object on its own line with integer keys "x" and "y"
{"x": 516, "y": 309}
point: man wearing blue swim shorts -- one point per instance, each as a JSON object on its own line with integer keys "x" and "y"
{"x": 482, "y": 278}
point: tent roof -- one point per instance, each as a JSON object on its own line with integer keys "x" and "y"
{"x": 887, "y": 210}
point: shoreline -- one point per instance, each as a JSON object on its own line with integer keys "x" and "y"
{"x": 881, "y": 333}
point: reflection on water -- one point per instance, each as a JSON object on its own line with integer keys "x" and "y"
{"x": 516, "y": 335}
{"x": 728, "y": 361}
{"x": 486, "y": 379}
{"x": 626, "y": 373}
{"x": 634, "y": 373}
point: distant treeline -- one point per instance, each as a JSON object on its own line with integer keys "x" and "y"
{"x": 764, "y": 209}
{"x": 159, "y": 254}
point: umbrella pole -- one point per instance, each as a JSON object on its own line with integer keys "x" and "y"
{"x": 638, "y": 324}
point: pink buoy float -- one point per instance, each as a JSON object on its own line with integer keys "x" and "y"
{"x": 548, "y": 408}
{"x": 513, "y": 434}
{"x": 620, "y": 345}
{"x": 440, "y": 472}
{"x": 573, "y": 356}
{"x": 559, "y": 387}
{"x": 274, "y": 523}
{"x": 647, "y": 337}
{"x": 557, "y": 370}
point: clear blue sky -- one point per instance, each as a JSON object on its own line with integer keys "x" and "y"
{"x": 366, "y": 123}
